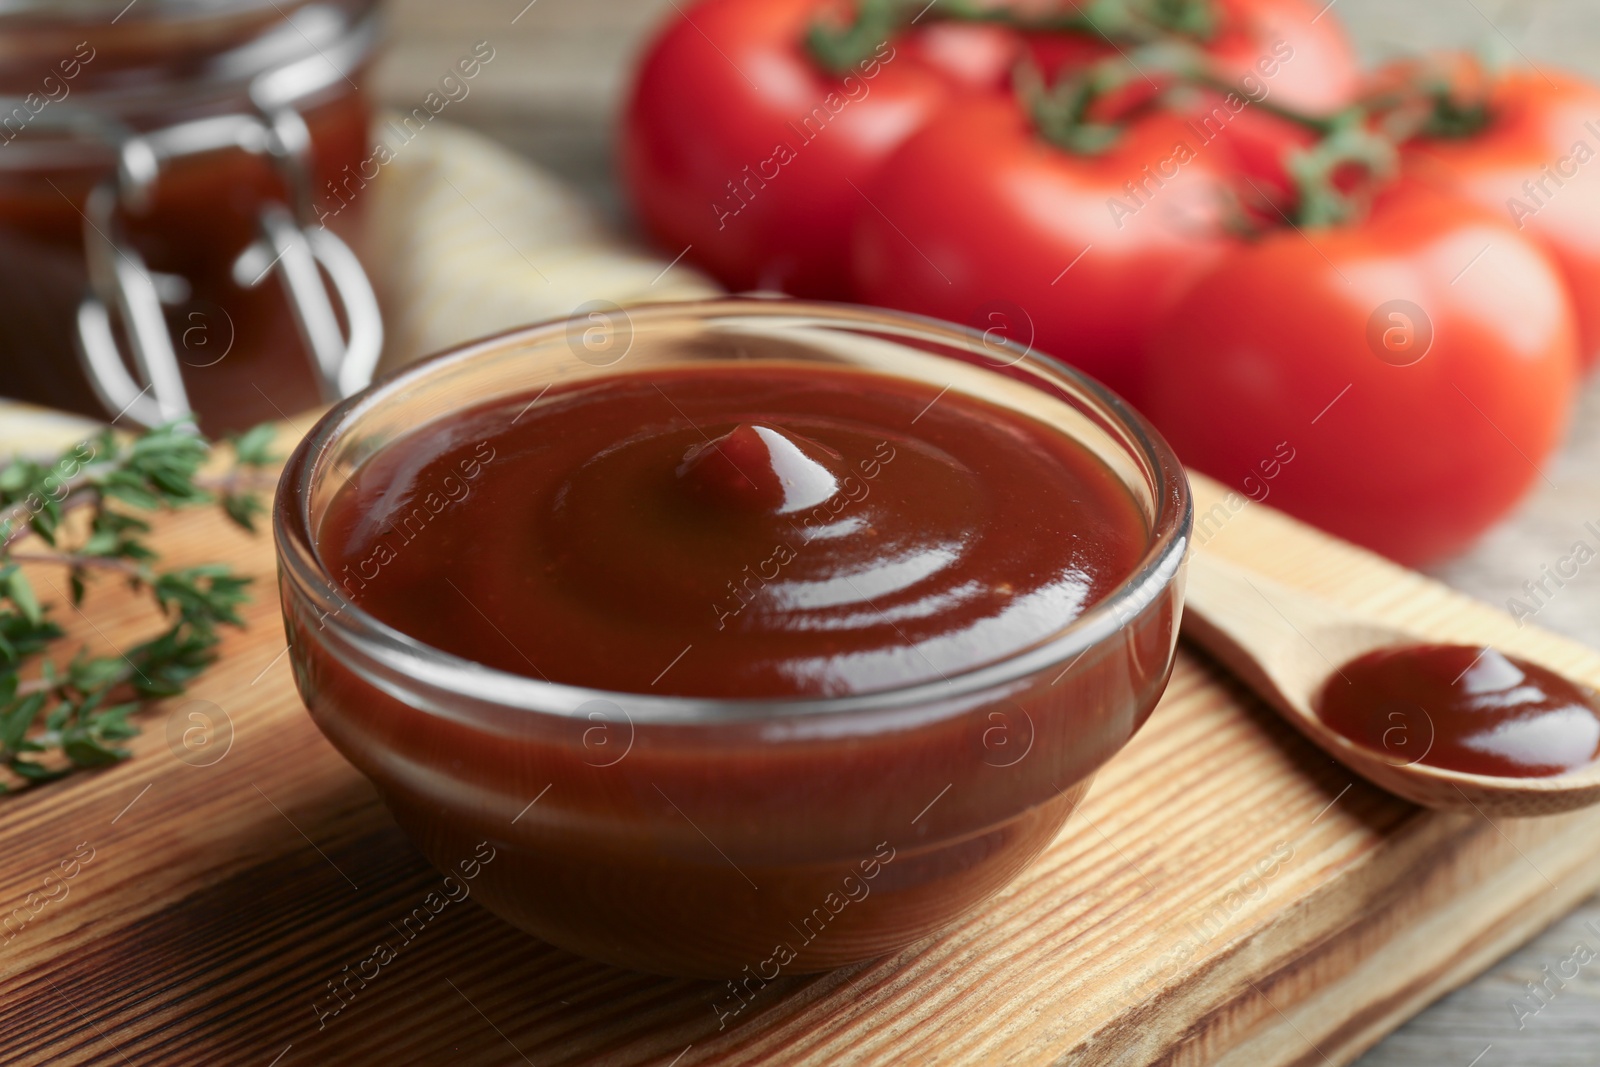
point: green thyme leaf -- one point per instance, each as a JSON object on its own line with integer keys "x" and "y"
{"x": 74, "y": 711}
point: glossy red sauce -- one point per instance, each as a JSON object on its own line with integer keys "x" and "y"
{"x": 1465, "y": 708}
{"x": 734, "y": 531}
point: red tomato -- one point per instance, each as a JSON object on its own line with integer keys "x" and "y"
{"x": 1262, "y": 144}
{"x": 1413, "y": 368}
{"x": 1293, "y": 50}
{"x": 977, "y": 219}
{"x": 973, "y": 55}
{"x": 738, "y": 146}
{"x": 1535, "y": 165}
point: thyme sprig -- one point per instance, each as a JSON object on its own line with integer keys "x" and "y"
{"x": 61, "y": 716}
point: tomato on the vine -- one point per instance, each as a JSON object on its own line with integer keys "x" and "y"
{"x": 740, "y": 147}
{"x": 1532, "y": 161}
{"x": 979, "y": 220}
{"x": 1418, "y": 365}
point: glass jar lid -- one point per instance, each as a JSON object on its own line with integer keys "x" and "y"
{"x": 71, "y": 69}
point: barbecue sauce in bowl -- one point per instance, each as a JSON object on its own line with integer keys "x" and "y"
{"x": 775, "y": 646}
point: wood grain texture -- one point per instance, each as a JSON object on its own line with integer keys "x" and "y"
{"x": 1227, "y": 894}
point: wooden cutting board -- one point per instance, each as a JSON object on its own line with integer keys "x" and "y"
{"x": 1226, "y": 895}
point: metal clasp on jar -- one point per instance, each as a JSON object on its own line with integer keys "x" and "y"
{"x": 292, "y": 245}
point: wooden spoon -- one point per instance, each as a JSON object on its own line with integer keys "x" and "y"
{"x": 1285, "y": 645}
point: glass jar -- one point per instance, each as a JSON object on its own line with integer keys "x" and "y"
{"x": 160, "y": 246}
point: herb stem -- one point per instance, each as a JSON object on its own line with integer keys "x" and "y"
{"x": 15, "y": 520}
{"x": 78, "y": 561}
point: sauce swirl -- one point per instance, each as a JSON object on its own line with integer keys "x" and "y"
{"x": 734, "y": 530}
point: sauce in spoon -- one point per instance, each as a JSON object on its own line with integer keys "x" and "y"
{"x": 1464, "y": 708}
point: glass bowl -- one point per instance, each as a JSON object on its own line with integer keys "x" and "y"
{"x": 718, "y": 837}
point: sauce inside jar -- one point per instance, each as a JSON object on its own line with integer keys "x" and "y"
{"x": 1463, "y": 708}
{"x": 734, "y": 531}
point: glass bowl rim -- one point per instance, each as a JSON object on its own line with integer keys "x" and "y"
{"x": 303, "y": 568}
